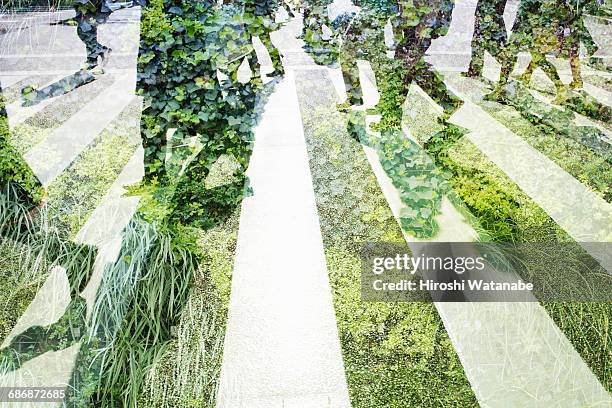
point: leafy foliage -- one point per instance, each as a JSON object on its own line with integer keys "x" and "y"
{"x": 15, "y": 175}
{"x": 182, "y": 49}
{"x": 192, "y": 117}
{"x": 322, "y": 46}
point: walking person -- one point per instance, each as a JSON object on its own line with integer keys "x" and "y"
{"x": 419, "y": 23}
{"x": 489, "y": 34}
{"x": 89, "y": 15}
{"x": 259, "y": 21}
{"x": 540, "y": 28}
{"x": 362, "y": 38}
{"x": 571, "y": 34}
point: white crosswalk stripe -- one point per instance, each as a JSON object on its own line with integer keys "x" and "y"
{"x": 579, "y": 211}
{"x": 50, "y": 157}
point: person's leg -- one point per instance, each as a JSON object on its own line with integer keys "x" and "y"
{"x": 579, "y": 33}
{"x": 399, "y": 75}
{"x": 274, "y": 54}
{"x": 526, "y": 76}
{"x": 509, "y": 58}
{"x": 574, "y": 57}
{"x": 253, "y": 65}
{"x": 87, "y": 31}
{"x": 350, "y": 72}
{"x": 508, "y": 54}
{"x": 477, "y": 59}
{"x": 154, "y": 142}
{"x": 377, "y": 56}
{"x": 433, "y": 84}
{"x": 551, "y": 72}
{"x": 363, "y": 38}
{"x": 495, "y": 37}
{"x": 549, "y": 69}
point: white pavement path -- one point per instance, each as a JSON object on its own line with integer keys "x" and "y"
{"x": 512, "y": 352}
{"x": 281, "y": 345}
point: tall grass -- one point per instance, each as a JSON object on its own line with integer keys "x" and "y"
{"x": 32, "y": 234}
{"x": 138, "y": 303}
{"x": 34, "y": 246}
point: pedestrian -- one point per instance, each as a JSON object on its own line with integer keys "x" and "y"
{"x": 89, "y": 15}
{"x": 541, "y": 27}
{"x": 489, "y": 34}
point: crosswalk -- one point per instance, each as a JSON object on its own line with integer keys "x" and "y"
{"x": 50, "y": 158}
{"x": 513, "y": 353}
{"x": 583, "y": 214}
{"x": 282, "y": 349}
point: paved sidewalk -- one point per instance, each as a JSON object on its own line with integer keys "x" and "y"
{"x": 281, "y": 346}
{"x": 584, "y": 215}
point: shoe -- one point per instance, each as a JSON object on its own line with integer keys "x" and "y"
{"x": 344, "y": 107}
{"x": 496, "y": 95}
{"x": 576, "y": 85}
{"x": 278, "y": 72}
{"x": 563, "y": 95}
{"x": 105, "y": 55}
{"x": 470, "y": 74}
{"x": 97, "y": 70}
{"x": 93, "y": 68}
{"x": 524, "y": 78}
{"x": 29, "y": 96}
{"x": 90, "y": 64}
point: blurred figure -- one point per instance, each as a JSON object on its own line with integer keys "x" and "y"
{"x": 415, "y": 24}
{"x": 543, "y": 27}
{"x": 571, "y": 33}
{"x": 89, "y": 15}
{"x": 420, "y": 22}
{"x": 489, "y": 34}
{"x": 363, "y": 37}
{"x": 316, "y": 32}
{"x": 260, "y": 22}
